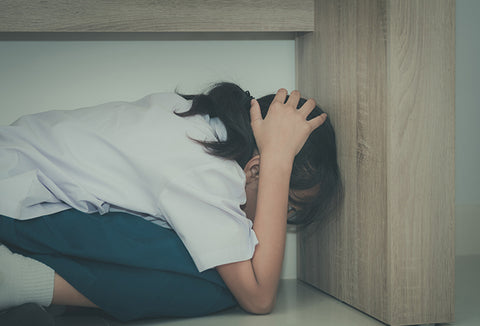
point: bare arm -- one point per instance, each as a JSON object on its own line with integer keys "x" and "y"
{"x": 279, "y": 136}
{"x": 254, "y": 282}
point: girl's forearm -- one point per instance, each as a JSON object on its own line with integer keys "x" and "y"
{"x": 254, "y": 282}
{"x": 271, "y": 221}
{"x": 279, "y": 137}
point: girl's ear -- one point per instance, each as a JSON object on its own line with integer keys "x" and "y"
{"x": 252, "y": 169}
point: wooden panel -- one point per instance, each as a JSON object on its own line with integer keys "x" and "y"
{"x": 383, "y": 70}
{"x": 348, "y": 53}
{"x": 420, "y": 169}
{"x": 155, "y": 16}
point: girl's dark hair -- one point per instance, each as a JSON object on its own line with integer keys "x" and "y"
{"x": 314, "y": 166}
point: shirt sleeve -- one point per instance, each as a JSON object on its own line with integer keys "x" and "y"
{"x": 203, "y": 207}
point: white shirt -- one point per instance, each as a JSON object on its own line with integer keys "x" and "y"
{"x": 135, "y": 157}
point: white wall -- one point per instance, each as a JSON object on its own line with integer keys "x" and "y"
{"x": 39, "y": 76}
{"x": 467, "y": 134}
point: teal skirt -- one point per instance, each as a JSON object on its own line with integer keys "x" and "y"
{"x": 129, "y": 267}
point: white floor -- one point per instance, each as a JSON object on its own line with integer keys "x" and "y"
{"x": 301, "y": 304}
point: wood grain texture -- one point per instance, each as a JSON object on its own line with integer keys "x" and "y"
{"x": 155, "y": 16}
{"x": 421, "y": 155}
{"x": 348, "y": 58}
{"x": 384, "y": 71}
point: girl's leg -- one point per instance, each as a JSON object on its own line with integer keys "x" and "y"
{"x": 24, "y": 280}
{"x": 127, "y": 266}
{"x": 66, "y": 295}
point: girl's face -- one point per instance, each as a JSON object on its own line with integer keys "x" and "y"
{"x": 252, "y": 175}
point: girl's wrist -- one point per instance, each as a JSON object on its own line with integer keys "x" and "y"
{"x": 278, "y": 158}
{"x": 279, "y": 166}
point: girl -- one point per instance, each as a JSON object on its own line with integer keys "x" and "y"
{"x": 222, "y": 170}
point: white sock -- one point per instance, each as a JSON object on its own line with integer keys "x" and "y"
{"x": 24, "y": 280}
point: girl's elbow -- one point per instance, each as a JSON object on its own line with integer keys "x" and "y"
{"x": 261, "y": 306}
{"x": 263, "y": 310}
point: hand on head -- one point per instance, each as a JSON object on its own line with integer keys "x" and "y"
{"x": 285, "y": 128}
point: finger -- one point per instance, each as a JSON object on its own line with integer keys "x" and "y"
{"x": 255, "y": 112}
{"x": 317, "y": 121}
{"x": 294, "y": 98}
{"x": 280, "y": 96}
{"x": 307, "y": 107}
